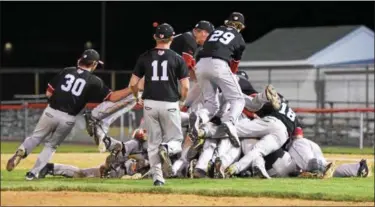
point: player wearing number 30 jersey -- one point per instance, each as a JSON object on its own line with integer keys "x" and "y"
{"x": 68, "y": 93}
{"x": 216, "y": 68}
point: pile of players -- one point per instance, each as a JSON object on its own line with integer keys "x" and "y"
{"x": 231, "y": 129}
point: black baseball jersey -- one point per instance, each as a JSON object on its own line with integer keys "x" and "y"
{"x": 73, "y": 88}
{"x": 162, "y": 68}
{"x": 224, "y": 43}
{"x": 184, "y": 43}
{"x": 284, "y": 114}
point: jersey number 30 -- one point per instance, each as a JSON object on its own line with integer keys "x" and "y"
{"x": 74, "y": 85}
{"x": 290, "y": 113}
{"x": 223, "y": 37}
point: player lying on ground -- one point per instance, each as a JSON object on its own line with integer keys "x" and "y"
{"x": 311, "y": 163}
{"x": 68, "y": 93}
{"x": 187, "y": 45}
{"x": 126, "y": 158}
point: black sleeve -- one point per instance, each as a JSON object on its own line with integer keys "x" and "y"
{"x": 239, "y": 50}
{"x": 52, "y": 84}
{"x": 139, "y": 69}
{"x": 189, "y": 47}
{"x": 183, "y": 71}
{"x": 98, "y": 91}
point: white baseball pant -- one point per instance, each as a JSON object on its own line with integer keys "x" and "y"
{"x": 211, "y": 75}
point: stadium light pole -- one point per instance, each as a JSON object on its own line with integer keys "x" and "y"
{"x": 103, "y": 31}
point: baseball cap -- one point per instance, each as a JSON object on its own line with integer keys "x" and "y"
{"x": 90, "y": 55}
{"x": 164, "y": 31}
{"x": 243, "y": 73}
{"x": 236, "y": 17}
{"x": 205, "y": 25}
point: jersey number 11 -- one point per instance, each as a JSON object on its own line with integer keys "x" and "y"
{"x": 164, "y": 75}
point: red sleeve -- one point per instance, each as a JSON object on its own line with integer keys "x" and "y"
{"x": 189, "y": 60}
{"x": 234, "y": 66}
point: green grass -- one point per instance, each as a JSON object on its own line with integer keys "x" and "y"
{"x": 10, "y": 147}
{"x": 335, "y": 189}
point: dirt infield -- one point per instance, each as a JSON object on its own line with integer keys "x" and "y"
{"x": 11, "y": 198}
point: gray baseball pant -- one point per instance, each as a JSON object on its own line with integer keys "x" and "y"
{"x": 212, "y": 74}
{"x": 163, "y": 123}
{"x": 52, "y": 129}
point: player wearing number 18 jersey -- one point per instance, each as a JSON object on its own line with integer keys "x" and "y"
{"x": 162, "y": 69}
{"x": 217, "y": 62}
{"x": 68, "y": 93}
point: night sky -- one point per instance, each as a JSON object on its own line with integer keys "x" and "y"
{"x": 53, "y": 34}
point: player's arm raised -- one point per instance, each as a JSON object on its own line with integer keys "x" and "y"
{"x": 234, "y": 63}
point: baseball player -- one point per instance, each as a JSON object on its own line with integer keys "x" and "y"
{"x": 219, "y": 59}
{"x": 162, "y": 69}
{"x": 68, "y": 93}
{"x": 272, "y": 127}
{"x": 310, "y": 160}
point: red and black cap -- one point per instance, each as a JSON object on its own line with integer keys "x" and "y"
{"x": 236, "y": 17}
{"x": 91, "y": 55}
{"x": 205, "y": 25}
{"x": 164, "y": 31}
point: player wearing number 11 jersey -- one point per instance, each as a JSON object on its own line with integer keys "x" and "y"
{"x": 68, "y": 93}
{"x": 216, "y": 68}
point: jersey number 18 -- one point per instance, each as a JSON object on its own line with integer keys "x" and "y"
{"x": 288, "y": 112}
{"x": 223, "y": 37}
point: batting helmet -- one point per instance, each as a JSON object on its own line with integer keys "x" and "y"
{"x": 243, "y": 74}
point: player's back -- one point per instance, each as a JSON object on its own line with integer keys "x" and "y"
{"x": 73, "y": 88}
{"x": 162, "y": 69}
{"x": 184, "y": 43}
{"x": 286, "y": 115}
{"x": 224, "y": 43}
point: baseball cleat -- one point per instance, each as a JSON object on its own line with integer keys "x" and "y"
{"x": 158, "y": 183}
{"x": 232, "y": 133}
{"x": 46, "y": 170}
{"x": 210, "y": 169}
{"x": 30, "y": 176}
{"x": 165, "y": 161}
{"x": 199, "y": 173}
{"x": 195, "y": 149}
{"x": 91, "y": 126}
{"x": 230, "y": 171}
{"x": 273, "y": 97}
{"x": 16, "y": 159}
{"x": 328, "y": 172}
{"x": 192, "y": 165}
{"x": 363, "y": 170}
{"x": 194, "y": 126}
{"x": 261, "y": 172}
{"x": 218, "y": 170}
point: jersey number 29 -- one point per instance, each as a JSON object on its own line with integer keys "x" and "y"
{"x": 290, "y": 113}
{"x": 223, "y": 37}
{"x": 74, "y": 85}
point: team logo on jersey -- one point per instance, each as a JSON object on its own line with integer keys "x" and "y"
{"x": 235, "y": 18}
{"x": 160, "y": 52}
{"x": 161, "y": 35}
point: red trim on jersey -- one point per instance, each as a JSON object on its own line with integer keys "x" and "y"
{"x": 50, "y": 88}
{"x": 108, "y": 96}
{"x": 189, "y": 60}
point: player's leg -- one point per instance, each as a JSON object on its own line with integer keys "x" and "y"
{"x": 226, "y": 155}
{"x": 209, "y": 148}
{"x": 209, "y": 94}
{"x": 266, "y": 145}
{"x": 360, "y": 169}
{"x": 170, "y": 121}
{"x": 64, "y": 127}
{"x": 283, "y": 166}
{"x": 45, "y": 126}
{"x": 151, "y": 122}
{"x": 68, "y": 171}
{"x": 231, "y": 90}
